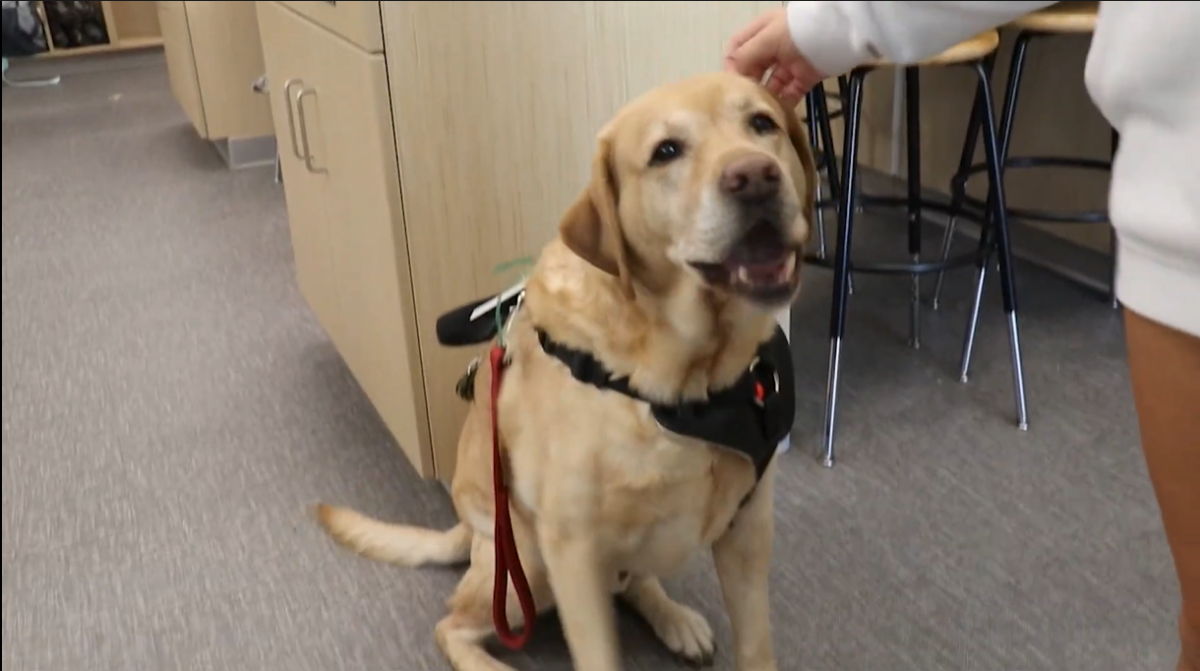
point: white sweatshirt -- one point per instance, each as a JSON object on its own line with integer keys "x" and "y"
{"x": 1143, "y": 72}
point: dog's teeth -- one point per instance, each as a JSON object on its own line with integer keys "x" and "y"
{"x": 789, "y": 267}
{"x": 743, "y": 275}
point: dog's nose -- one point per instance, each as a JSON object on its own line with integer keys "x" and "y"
{"x": 751, "y": 178}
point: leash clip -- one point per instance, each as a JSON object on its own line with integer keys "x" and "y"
{"x": 514, "y": 311}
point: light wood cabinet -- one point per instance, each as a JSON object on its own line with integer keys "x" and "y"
{"x": 214, "y": 55}
{"x": 449, "y": 145}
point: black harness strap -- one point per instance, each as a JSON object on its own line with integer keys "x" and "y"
{"x": 750, "y": 418}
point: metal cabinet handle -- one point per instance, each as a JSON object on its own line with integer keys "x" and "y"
{"x": 287, "y": 100}
{"x": 308, "y": 157}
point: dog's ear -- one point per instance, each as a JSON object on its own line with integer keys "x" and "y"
{"x": 592, "y": 227}
{"x": 797, "y": 132}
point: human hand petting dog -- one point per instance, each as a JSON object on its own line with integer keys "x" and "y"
{"x": 765, "y": 44}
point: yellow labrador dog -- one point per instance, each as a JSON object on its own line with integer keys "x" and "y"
{"x": 668, "y": 272}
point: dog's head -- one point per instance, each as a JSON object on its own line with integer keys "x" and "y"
{"x": 708, "y": 181}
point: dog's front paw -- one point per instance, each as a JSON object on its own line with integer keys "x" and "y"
{"x": 685, "y": 633}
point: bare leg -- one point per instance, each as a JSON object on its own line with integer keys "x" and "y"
{"x": 1164, "y": 367}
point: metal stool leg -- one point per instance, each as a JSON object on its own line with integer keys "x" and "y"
{"x": 999, "y": 223}
{"x": 814, "y": 140}
{"x": 986, "y": 243}
{"x": 912, "y": 150}
{"x": 827, "y": 141}
{"x": 981, "y": 269}
{"x": 844, "y": 92}
{"x": 1007, "y": 117}
{"x": 958, "y": 185}
{"x": 841, "y": 268}
{"x": 825, "y": 125}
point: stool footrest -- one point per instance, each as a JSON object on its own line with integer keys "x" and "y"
{"x": 902, "y": 202}
{"x": 958, "y": 183}
{"x": 904, "y": 267}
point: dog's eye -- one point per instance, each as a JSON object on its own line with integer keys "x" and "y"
{"x": 665, "y": 152}
{"x": 763, "y": 124}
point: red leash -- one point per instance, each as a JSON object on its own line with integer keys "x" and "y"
{"x": 508, "y": 562}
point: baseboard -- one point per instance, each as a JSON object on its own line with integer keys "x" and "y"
{"x": 247, "y": 152}
{"x": 39, "y": 68}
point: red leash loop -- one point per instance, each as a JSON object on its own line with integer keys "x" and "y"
{"x": 508, "y": 562}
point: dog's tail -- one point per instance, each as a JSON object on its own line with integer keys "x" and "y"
{"x": 395, "y": 543}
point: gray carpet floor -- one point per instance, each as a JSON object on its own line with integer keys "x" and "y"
{"x": 171, "y": 411}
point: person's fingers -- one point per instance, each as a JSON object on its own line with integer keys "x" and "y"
{"x": 742, "y": 36}
{"x": 741, "y": 67}
{"x": 780, "y": 79}
{"x": 751, "y": 59}
{"x": 732, "y": 64}
{"x": 747, "y": 59}
{"x": 748, "y": 52}
{"x": 792, "y": 93}
{"x": 809, "y": 78}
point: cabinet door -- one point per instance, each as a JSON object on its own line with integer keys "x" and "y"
{"x": 365, "y": 211}
{"x": 288, "y": 58}
{"x": 181, "y": 63}
{"x": 347, "y": 115}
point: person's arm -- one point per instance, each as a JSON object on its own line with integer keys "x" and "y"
{"x": 836, "y": 37}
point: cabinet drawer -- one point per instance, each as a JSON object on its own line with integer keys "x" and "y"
{"x": 358, "y": 22}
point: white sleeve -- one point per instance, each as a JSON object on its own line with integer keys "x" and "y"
{"x": 836, "y": 37}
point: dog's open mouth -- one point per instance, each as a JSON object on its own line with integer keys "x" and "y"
{"x": 762, "y": 266}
